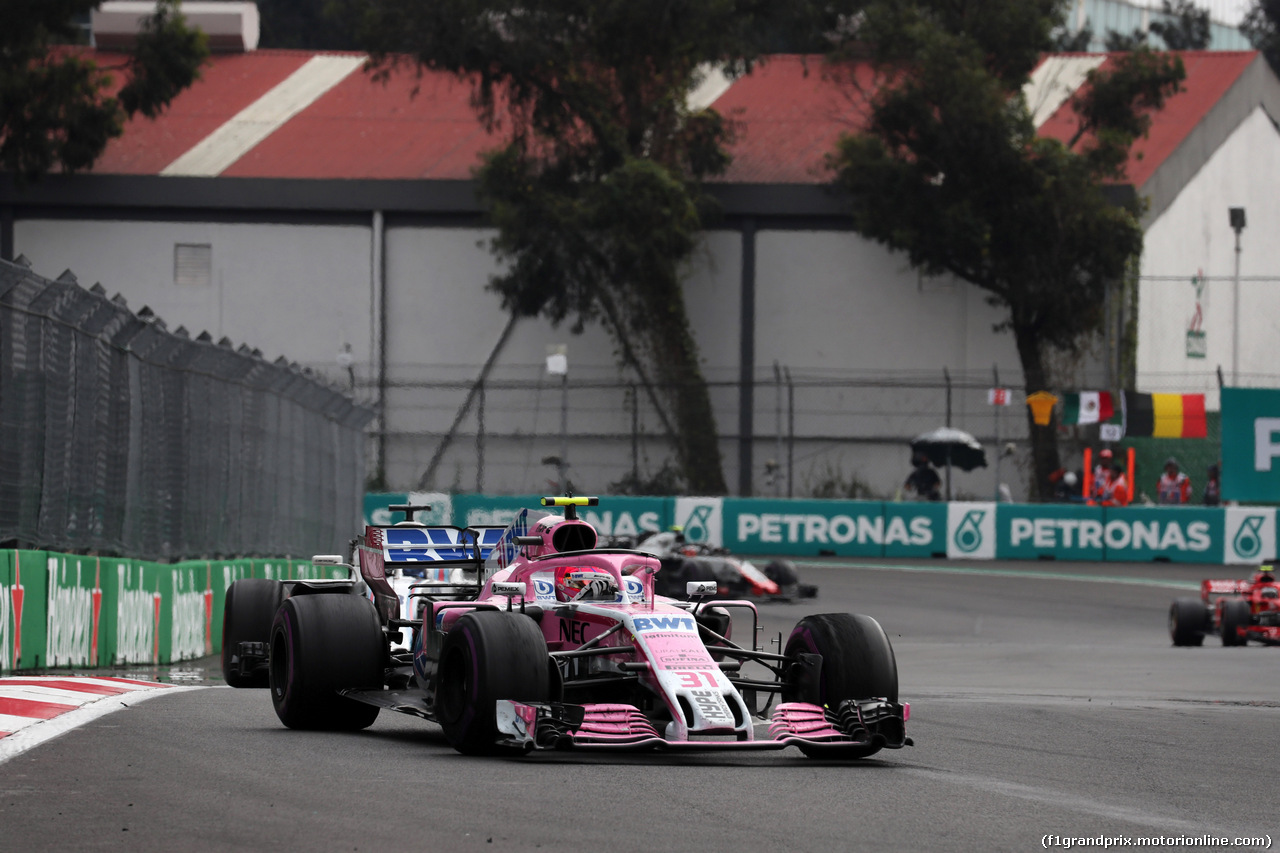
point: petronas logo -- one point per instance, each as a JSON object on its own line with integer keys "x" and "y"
{"x": 968, "y": 536}
{"x": 695, "y": 528}
{"x": 1248, "y": 541}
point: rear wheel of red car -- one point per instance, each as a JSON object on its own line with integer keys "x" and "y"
{"x": 250, "y": 606}
{"x": 321, "y": 644}
{"x": 1187, "y": 618}
{"x": 857, "y": 663}
{"x": 1234, "y": 615}
{"x": 488, "y": 655}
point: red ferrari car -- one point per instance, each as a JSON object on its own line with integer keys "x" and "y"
{"x": 1236, "y": 610}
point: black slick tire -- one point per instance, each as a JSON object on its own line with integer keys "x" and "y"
{"x": 1235, "y": 614}
{"x": 1187, "y": 622}
{"x": 488, "y": 655}
{"x": 321, "y": 644}
{"x": 250, "y": 607}
{"x": 857, "y": 662}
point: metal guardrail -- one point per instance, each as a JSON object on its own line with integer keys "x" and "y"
{"x": 119, "y": 436}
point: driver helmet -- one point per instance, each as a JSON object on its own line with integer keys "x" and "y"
{"x": 585, "y": 583}
{"x": 1106, "y": 453}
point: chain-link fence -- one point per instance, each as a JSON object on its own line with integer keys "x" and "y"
{"x": 811, "y": 435}
{"x": 119, "y": 436}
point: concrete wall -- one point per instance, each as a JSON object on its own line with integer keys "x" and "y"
{"x": 1194, "y": 235}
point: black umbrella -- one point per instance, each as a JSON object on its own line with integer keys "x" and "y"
{"x": 946, "y": 444}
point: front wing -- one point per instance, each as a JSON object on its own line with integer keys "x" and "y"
{"x": 853, "y": 728}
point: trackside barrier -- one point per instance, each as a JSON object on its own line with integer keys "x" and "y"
{"x": 958, "y": 530}
{"x": 65, "y": 610}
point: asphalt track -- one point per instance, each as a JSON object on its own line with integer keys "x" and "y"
{"x": 1046, "y": 700}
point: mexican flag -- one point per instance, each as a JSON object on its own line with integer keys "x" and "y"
{"x": 1087, "y": 407}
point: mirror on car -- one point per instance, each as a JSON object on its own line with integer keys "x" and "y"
{"x": 696, "y": 589}
{"x": 508, "y": 589}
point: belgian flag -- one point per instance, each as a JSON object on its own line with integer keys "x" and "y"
{"x": 1164, "y": 415}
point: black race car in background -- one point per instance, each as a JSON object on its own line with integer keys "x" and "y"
{"x": 735, "y": 577}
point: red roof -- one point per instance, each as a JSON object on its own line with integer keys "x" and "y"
{"x": 1209, "y": 75}
{"x": 787, "y": 115}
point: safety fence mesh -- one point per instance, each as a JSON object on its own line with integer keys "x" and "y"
{"x": 119, "y": 436}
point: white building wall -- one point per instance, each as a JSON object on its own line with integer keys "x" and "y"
{"x": 828, "y": 305}
{"x": 301, "y": 291}
{"x": 1194, "y": 234}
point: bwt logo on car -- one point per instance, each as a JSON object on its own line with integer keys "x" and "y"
{"x": 1117, "y": 534}
{"x": 662, "y": 623}
{"x": 838, "y": 529}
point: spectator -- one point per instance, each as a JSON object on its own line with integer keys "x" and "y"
{"x": 924, "y": 481}
{"x": 1118, "y": 493}
{"x": 1101, "y": 488}
{"x": 1173, "y": 487}
{"x": 1213, "y": 488}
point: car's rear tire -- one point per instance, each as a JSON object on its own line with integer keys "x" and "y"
{"x": 1187, "y": 619}
{"x": 1234, "y": 614}
{"x": 782, "y": 572}
{"x": 250, "y": 607}
{"x": 488, "y": 655}
{"x": 857, "y": 663}
{"x": 321, "y": 644}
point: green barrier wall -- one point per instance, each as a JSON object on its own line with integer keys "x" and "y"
{"x": 64, "y": 610}
{"x": 1057, "y": 531}
{"x": 959, "y": 530}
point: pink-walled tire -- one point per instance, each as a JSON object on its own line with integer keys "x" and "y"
{"x": 488, "y": 655}
{"x": 857, "y": 663}
{"x": 321, "y": 644}
{"x": 251, "y": 605}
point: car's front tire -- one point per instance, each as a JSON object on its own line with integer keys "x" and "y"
{"x": 1187, "y": 618}
{"x": 488, "y": 655}
{"x": 321, "y": 644}
{"x": 857, "y": 663}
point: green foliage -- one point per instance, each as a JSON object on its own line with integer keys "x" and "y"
{"x": 950, "y": 171}
{"x": 1186, "y": 28}
{"x": 832, "y": 483}
{"x": 55, "y": 110}
{"x": 596, "y": 193}
{"x": 307, "y": 24}
{"x": 1262, "y": 27}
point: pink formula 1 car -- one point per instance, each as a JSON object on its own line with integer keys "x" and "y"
{"x": 542, "y": 640}
{"x": 1236, "y": 610}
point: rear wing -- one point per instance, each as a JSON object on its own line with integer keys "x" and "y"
{"x": 1224, "y": 587}
{"x": 434, "y": 553}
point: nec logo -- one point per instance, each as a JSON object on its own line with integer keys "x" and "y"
{"x": 662, "y": 623}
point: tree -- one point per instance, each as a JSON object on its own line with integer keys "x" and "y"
{"x": 1185, "y": 27}
{"x": 1262, "y": 27}
{"x": 307, "y": 24}
{"x": 596, "y": 193}
{"x": 949, "y": 169}
{"x": 55, "y": 110}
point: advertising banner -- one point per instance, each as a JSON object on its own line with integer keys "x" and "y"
{"x": 186, "y": 611}
{"x": 971, "y": 531}
{"x": 1042, "y": 531}
{"x": 1249, "y": 536}
{"x": 1173, "y": 533}
{"x": 73, "y": 610}
{"x": 702, "y": 520}
{"x": 629, "y": 516}
{"x": 7, "y": 630}
{"x": 376, "y": 511}
{"x": 1251, "y": 444}
{"x": 803, "y": 527}
{"x": 135, "y": 633}
{"x": 915, "y": 529}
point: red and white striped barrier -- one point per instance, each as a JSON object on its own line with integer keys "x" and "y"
{"x": 34, "y": 709}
